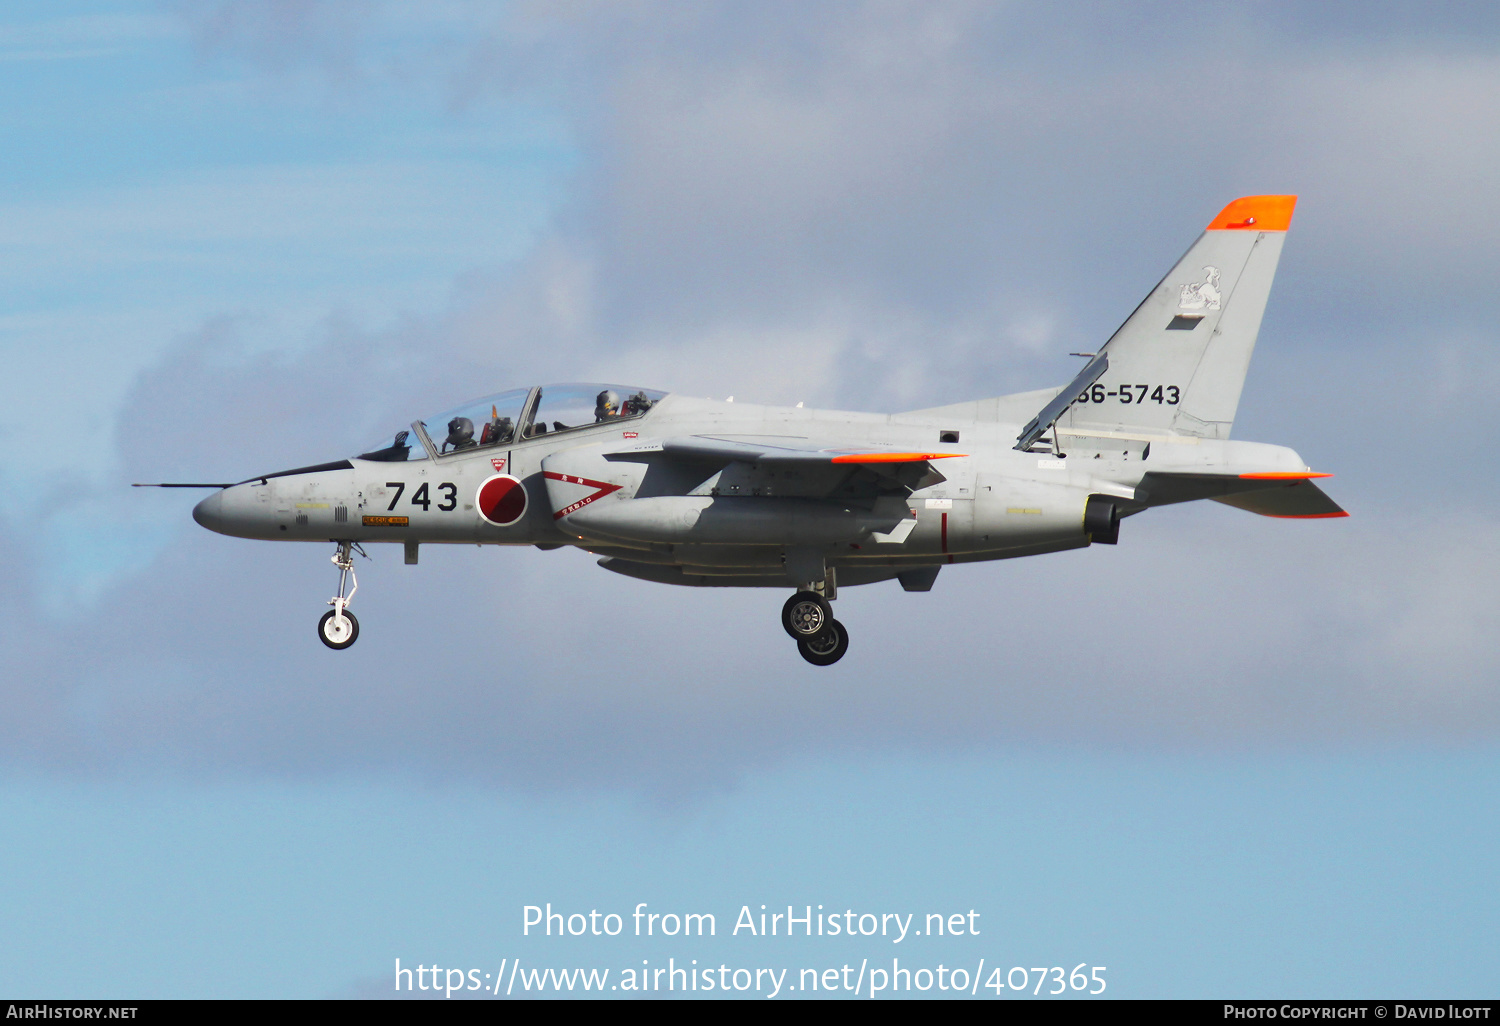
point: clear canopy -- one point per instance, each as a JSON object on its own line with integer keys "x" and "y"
{"x": 479, "y": 423}
{"x": 512, "y": 416}
{"x": 564, "y": 407}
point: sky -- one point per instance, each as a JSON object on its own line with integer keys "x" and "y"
{"x": 1231, "y": 756}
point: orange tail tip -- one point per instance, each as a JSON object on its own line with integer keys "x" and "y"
{"x": 1256, "y": 214}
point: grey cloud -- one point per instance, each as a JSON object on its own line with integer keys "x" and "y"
{"x": 859, "y": 182}
{"x": 767, "y": 164}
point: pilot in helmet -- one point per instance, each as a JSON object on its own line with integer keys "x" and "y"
{"x": 607, "y": 405}
{"x": 460, "y": 433}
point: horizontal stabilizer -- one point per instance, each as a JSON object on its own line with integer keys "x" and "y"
{"x": 1269, "y": 493}
{"x": 1301, "y": 500}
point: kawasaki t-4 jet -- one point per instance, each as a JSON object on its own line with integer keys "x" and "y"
{"x": 678, "y": 490}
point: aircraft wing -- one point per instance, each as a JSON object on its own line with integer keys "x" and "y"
{"x": 790, "y": 449}
{"x": 911, "y": 469}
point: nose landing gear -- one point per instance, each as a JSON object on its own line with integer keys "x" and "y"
{"x": 338, "y": 628}
{"x": 808, "y": 618}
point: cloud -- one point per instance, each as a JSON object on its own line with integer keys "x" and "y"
{"x": 763, "y": 164}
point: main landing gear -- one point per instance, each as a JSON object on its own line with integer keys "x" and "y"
{"x": 821, "y": 639}
{"x": 338, "y": 628}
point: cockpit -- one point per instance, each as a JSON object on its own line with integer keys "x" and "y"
{"x": 516, "y": 416}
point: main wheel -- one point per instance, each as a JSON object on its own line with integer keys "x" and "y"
{"x": 827, "y": 647}
{"x": 805, "y": 614}
{"x": 337, "y": 633}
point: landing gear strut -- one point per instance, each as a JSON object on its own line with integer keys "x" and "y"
{"x": 339, "y": 628}
{"x": 807, "y": 617}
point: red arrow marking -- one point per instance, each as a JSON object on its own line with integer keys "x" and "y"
{"x": 605, "y": 488}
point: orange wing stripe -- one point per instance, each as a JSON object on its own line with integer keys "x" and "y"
{"x": 897, "y": 457}
{"x": 1283, "y": 475}
{"x": 1256, "y": 214}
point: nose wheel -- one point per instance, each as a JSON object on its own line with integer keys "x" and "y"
{"x": 338, "y": 629}
{"x": 821, "y": 639}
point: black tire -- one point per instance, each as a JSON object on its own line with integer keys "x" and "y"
{"x": 826, "y": 647}
{"x": 805, "y": 614}
{"x": 1101, "y": 520}
{"x": 325, "y": 627}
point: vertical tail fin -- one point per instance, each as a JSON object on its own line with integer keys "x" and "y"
{"x": 1177, "y": 364}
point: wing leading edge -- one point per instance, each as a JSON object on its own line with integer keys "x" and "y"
{"x": 828, "y": 461}
{"x": 790, "y": 449}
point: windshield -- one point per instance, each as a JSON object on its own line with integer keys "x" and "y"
{"x": 564, "y": 407}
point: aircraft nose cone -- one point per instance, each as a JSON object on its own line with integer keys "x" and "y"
{"x": 210, "y": 512}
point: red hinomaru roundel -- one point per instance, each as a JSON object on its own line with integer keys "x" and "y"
{"x": 501, "y": 500}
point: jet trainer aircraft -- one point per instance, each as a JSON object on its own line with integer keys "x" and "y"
{"x": 688, "y": 491}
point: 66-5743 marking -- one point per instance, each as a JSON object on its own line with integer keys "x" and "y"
{"x": 1163, "y": 395}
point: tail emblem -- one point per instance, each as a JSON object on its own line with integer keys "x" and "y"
{"x": 1202, "y": 295}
